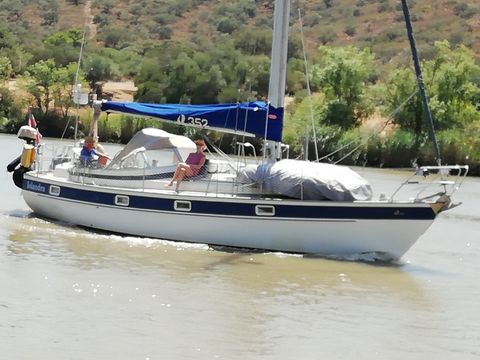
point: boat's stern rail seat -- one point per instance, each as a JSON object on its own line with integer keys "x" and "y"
{"x": 430, "y": 183}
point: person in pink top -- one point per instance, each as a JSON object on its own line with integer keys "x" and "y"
{"x": 191, "y": 166}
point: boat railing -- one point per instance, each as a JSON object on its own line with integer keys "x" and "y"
{"x": 49, "y": 156}
{"x": 432, "y": 182}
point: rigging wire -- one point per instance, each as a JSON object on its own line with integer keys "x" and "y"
{"x": 385, "y": 124}
{"x": 76, "y": 86}
{"x": 309, "y": 92}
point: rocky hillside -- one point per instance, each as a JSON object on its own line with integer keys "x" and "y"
{"x": 140, "y": 23}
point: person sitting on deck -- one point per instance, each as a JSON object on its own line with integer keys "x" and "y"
{"x": 90, "y": 153}
{"x": 191, "y": 167}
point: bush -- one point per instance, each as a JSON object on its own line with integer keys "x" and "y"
{"x": 311, "y": 19}
{"x": 393, "y": 34}
{"x": 227, "y": 25}
{"x": 350, "y": 30}
{"x": 351, "y": 147}
{"x": 327, "y": 35}
{"x": 164, "y": 32}
{"x": 163, "y": 18}
{"x": 52, "y": 124}
{"x": 384, "y": 8}
{"x": 10, "y": 112}
{"x": 400, "y": 149}
{"x": 101, "y": 20}
{"x": 464, "y": 10}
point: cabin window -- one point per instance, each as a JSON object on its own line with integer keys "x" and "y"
{"x": 182, "y": 205}
{"x": 264, "y": 210}
{"x": 54, "y": 190}
{"x": 122, "y": 200}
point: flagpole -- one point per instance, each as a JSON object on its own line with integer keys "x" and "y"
{"x": 33, "y": 123}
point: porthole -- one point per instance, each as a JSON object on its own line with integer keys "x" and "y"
{"x": 182, "y": 205}
{"x": 122, "y": 200}
{"x": 264, "y": 210}
{"x": 54, "y": 190}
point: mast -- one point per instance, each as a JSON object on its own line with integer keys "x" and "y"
{"x": 421, "y": 84}
{"x": 278, "y": 66}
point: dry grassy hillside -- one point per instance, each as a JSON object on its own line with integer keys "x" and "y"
{"x": 374, "y": 23}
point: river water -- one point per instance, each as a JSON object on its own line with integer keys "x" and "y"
{"x": 68, "y": 293}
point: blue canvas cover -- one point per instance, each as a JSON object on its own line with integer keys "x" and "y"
{"x": 247, "y": 118}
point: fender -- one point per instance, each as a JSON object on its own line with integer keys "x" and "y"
{"x": 18, "y": 176}
{"x": 11, "y": 167}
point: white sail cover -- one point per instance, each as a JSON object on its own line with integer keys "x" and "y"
{"x": 155, "y": 139}
{"x": 308, "y": 180}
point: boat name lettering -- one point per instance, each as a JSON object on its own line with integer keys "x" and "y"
{"x": 192, "y": 120}
{"x": 36, "y": 187}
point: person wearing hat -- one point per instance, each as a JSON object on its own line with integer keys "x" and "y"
{"x": 191, "y": 167}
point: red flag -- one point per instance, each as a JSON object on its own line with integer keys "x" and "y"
{"x": 33, "y": 123}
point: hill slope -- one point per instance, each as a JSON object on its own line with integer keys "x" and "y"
{"x": 140, "y": 23}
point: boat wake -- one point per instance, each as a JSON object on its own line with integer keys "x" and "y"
{"x": 373, "y": 257}
{"x": 22, "y": 214}
{"x": 68, "y": 230}
{"x": 463, "y": 217}
{"x": 46, "y": 226}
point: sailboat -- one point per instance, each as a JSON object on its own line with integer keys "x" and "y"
{"x": 278, "y": 205}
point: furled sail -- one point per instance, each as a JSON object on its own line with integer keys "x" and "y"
{"x": 256, "y": 118}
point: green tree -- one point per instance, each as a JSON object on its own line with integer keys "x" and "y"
{"x": 46, "y": 82}
{"x": 98, "y": 68}
{"x": 43, "y": 77}
{"x": 450, "y": 84}
{"x": 299, "y": 121}
{"x": 259, "y": 74}
{"x": 19, "y": 59}
{"x": 63, "y": 46}
{"x": 6, "y": 69}
{"x": 71, "y": 37}
{"x": 117, "y": 38}
{"x": 296, "y": 79}
{"x": 343, "y": 74}
{"x": 177, "y": 73}
{"x": 254, "y": 41}
{"x": 10, "y": 111}
{"x": 62, "y": 90}
{"x": 228, "y": 25}
{"x": 7, "y": 39}
{"x": 401, "y": 86}
{"x": 454, "y": 92}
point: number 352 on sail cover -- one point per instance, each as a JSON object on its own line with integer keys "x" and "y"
{"x": 192, "y": 120}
